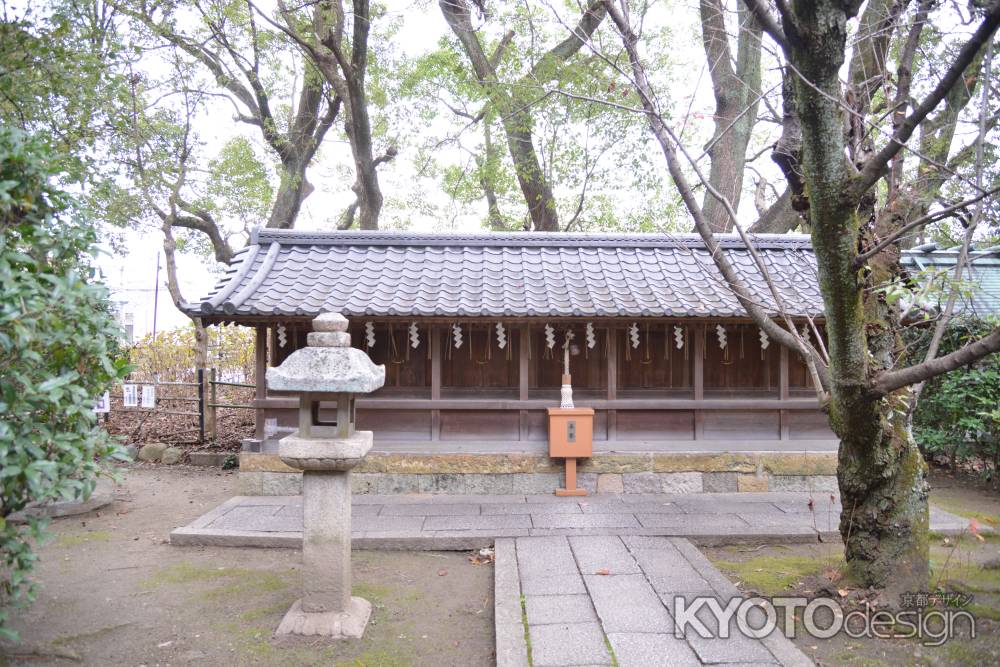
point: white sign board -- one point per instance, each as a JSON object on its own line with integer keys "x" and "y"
{"x": 103, "y": 405}
{"x": 148, "y": 396}
{"x": 130, "y": 397}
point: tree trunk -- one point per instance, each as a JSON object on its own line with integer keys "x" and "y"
{"x": 736, "y": 99}
{"x": 293, "y": 188}
{"x": 881, "y": 474}
{"x": 537, "y": 193}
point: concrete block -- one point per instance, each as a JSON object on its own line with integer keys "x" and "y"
{"x": 641, "y": 482}
{"x": 747, "y": 482}
{"x": 556, "y": 584}
{"x": 362, "y": 483}
{"x": 648, "y": 507}
{"x": 548, "y": 609}
{"x": 410, "y": 525}
{"x": 449, "y": 483}
{"x": 429, "y": 509}
{"x": 681, "y": 482}
{"x": 208, "y": 459}
{"x": 594, "y": 553}
{"x": 530, "y": 508}
{"x": 643, "y": 649}
{"x": 584, "y": 521}
{"x": 250, "y": 483}
{"x": 588, "y": 481}
{"x": 392, "y": 484}
{"x": 281, "y": 483}
{"x": 540, "y": 557}
{"x": 627, "y": 603}
{"x": 492, "y": 522}
{"x": 568, "y": 644}
{"x": 610, "y": 482}
{"x": 720, "y": 482}
{"x": 512, "y": 650}
{"x": 806, "y": 483}
{"x": 488, "y": 484}
{"x": 535, "y": 483}
{"x": 506, "y": 585}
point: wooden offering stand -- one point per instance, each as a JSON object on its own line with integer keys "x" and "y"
{"x": 571, "y": 436}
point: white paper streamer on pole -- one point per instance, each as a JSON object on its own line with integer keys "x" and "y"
{"x": 720, "y": 332}
{"x": 501, "y": 336}
{"x": 282, "y": 335}
{"x": 591, "y": 337}
{"x": 414, "y": 336}
{"x": 805, "y": 332}
{"x": 456, "y": 334}
{"x": 370, "y": 334}
{"x": 764, "y": 340}
{"x": 633, "y": 332}
{"x": 569, "y": 336}
{"x": 550, "y": 336}
{"x": 679, "y": 337}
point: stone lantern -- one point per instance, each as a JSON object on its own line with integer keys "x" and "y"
{"x": 328, "y": 369}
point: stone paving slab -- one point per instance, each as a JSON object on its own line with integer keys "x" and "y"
{"x": 621, "y": 619}
{"x": 568, "y": 644}
{"x": 464, "y": 522}
{"x": 547, "y": 609}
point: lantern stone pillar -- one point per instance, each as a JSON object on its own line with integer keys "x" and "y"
{"x": 327, "y": 369}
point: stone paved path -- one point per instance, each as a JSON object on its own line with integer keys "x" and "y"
{"x": 466, "y": 522}
{"x": 554, "y": 599}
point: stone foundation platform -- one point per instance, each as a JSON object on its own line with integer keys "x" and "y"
{"x": 263, "y": 473}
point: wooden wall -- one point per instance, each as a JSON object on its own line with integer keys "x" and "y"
{"x": 479, "y": 394}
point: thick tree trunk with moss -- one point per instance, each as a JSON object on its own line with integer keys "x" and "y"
{"x": 881, "y": 474}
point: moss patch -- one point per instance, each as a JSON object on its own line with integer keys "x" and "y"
{"x": 773, "y": 575}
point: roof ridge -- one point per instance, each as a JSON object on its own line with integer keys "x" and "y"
{"x": 520, "y": 239}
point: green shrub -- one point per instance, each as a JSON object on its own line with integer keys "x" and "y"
{"x": 57, "y": 343}
{"x": 957, "y": 414}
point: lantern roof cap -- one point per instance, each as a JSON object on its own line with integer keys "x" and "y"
{"x": 328, "y": 364}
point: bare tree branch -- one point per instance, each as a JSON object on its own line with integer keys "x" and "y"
{"x": 887, "y": 383}
{"x": 788, "y": 337}
{"x": 876, "y": 167}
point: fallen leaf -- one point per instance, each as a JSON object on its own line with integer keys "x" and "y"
{"x": 442, "y": 572}
{"x": 605, "y": 571}
{"x": 842, "y": 592}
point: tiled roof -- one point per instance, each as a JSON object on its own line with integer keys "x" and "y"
{"x": 981, "y": 298}
{"x": 387, "y": 274}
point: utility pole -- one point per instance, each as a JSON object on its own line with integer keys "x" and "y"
{"x": 156, "y": 295}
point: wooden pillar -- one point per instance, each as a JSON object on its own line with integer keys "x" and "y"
{"x": 783, "y": 392}
{"x": 612, "y": 347}
{"x": 260, "y": 371}
{"x": 523, "y": 378}
{"x": 436, "y": 353}
{"x": 698, "y": 350}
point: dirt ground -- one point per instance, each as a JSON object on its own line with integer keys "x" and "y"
{"x": 114, "y": 592}
{"x": 957, "y": 565}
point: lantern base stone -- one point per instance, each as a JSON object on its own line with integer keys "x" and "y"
{"x": 349, "y": 624}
